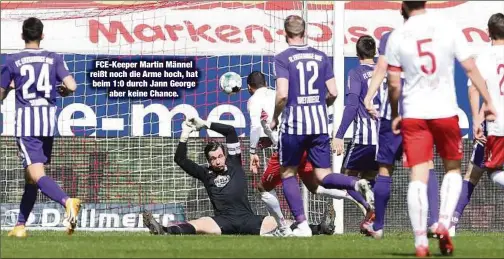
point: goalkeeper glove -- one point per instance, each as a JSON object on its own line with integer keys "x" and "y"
{"x": 187, "y": 129}
{"x": 198, "y": 123}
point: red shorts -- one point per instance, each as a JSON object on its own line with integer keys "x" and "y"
{"x": 271, "y": 177}
{"x": 494, "y": 152}
{"x": 419, "y": 137}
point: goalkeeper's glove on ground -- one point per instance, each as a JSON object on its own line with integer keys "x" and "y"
{"x": 187, "y": 129}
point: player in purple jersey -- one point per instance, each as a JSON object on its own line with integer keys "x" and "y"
{"x": 390, "y": 148}
{"x": 305, "y": 86}
{"x": 359, "y": 158}
{"x": 34, "y": 74}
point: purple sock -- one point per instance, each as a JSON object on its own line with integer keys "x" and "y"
{"x": 433, "y": 197}
{"x": 27, "y": 202}
{"x": 353, "y": 193}
{"x": 292, "y": 194}
{"x": 52, "y": 190}
{"x": 382, "y": 196}
{"x": 339, "y": 181}
{"x": 465, "y": 197}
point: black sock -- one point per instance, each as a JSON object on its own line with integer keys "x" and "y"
{"x": 180, "y": 229}
{"x": 315, "y": 229}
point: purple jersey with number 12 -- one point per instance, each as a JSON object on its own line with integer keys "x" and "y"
{"x": 36, "y": 73}
{"x": 307, "y": 70}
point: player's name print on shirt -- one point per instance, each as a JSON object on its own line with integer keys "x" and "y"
{"x": 307, "y": 70}
{"x": 222, "y": 180}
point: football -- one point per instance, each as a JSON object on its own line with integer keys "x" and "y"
{"x": 230, "y": 82}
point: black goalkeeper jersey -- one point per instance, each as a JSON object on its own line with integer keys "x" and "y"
{"x": 227, "y": 191}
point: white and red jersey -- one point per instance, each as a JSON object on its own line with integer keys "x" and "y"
{"x": 491, "y": 65}
{"x": 424, "y": 48}
{"x": 262, "y": 100}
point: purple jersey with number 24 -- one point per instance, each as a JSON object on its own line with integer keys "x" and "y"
{"x": 304, "y": 125}
{"x": 35, "y": 74}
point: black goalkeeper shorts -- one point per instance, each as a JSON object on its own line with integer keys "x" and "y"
{"x": 239, "y": 225}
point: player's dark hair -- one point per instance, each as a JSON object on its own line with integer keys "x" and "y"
{"x": 414, "y": 5}
{"x": 408, "y": 6}
{"x": 294, "y": 26}
{"x": 496, "y": 26}
{"x": 256, "y": 79}
{"x": 366, "y": 47}
{"x": 32, "y": 29}
{"x": 212, "y": 146}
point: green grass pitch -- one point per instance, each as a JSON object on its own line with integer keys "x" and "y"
{"x": 51, "y": 244}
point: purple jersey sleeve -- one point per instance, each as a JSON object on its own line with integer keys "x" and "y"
{"x": 6, "y": 76}
{"x": 383, "y": 43}
{"x": 329, "y": 72}
{"x": 354, "y": 83}
{"x": 61, "y": 69}
{"x": 281, "y": 68}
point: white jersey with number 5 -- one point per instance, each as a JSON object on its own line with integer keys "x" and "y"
{"x": 491, "y": 65}
{"x": 424, "y": 48}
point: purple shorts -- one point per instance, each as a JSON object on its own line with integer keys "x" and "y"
{"x": 292, "y": 147}
{"x": 33, "y": 150}
{"x": 478, "y": 155}
{"x": 389, "y": 144}
{"x": 360, "y": 157}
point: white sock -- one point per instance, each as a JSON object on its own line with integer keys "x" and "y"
{"x": 333, "y": 193}
{"x": 498, "y": 177}
{"x": 273, "y": 207}
{"x": 339, "y": 194}
{"x": 418, "y": 207}
{"x": 450, "y": 193}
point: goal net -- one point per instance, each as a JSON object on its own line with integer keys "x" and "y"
{"x": 116, "y": 154}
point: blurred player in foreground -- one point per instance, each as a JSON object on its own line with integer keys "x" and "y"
{"x": 491, "y": 64}
{"x": 225, "y": 182}
{"x": 260, "y": 107}
{"x": 424, "y": 48}
{"x": 359, "y": 158}
{"x": 305, "y": 86}
{"x": 35, "y": 74}
{"x": 390, "y": 148}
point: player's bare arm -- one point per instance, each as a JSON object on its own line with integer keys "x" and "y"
{"x": 68, "y": 86}
{"x": 477, "y": 113}
{"x": 282, "y": 92}
{"x": 394, "y": 93}
{"x": 6, "y": 77}
{"x": 378, "y": 76}
{"x": 332, "y": 91}
{"x": 477, "y": 80}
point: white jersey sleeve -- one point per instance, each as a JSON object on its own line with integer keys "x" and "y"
{"x": 254, "y": 108}
{"x": 392, "y": 51}
{"x": 461, "y": 47}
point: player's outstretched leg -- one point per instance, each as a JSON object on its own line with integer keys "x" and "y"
{"x": 155, "y": 228}
{"x": 54, "y": 192}
{"x": 27, "y": 202}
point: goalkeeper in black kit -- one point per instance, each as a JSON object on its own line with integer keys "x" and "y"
{"x": 225, "y": 182}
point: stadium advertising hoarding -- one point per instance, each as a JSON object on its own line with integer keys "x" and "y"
{"x": 93, "y": 216}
